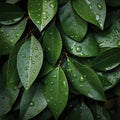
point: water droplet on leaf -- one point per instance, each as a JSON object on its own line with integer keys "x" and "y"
{"x": 31, "y": 103}
{"x": 100, "y": 7}
{"x": 78, "y": 48}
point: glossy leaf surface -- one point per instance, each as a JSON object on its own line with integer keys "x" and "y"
{"x": 56, "y": 91}
{"x": 83, "y": 79}
{"x": 80, "y": 111}
{"x": 107, "y": 60}
{"x": 9, "y": 35}
{"x": 29, "y": 61}
{"x": 91, "y": 10}
{"x": 86, "y": 48}
{"x": 52, "y": 44}
{"x": 41, "y": 12}
{"x": 10, "y": 14}
{"x": 71, "y": 23}
{"x": 32, "y": 102}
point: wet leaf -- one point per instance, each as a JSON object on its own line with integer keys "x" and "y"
{"x": 92, "y": 11}
{"x": 42, "y": 12}
{"x": 71, "y": 23}
{"x": 100, "y": 113}
{"x": 110, "y": 38}
{"x": 56, "y": 91}
{"x": 86, "y": 48}
{"x": 10, "y": 14}
{"x": 32, "y": 102}
{"x": 9, "y": 35}
{"x": 83, "y": 79}
{"x": 107, "y": 60}
{"x": 110, "y": 79}
{"x": 52, "y": 44}
{"x": 29, "y": 61}
{"x": 80, "y": 111}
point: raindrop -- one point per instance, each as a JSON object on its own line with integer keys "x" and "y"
{"x": 68, "y": 69}
{"x": 97, "y": 17}
{"x": 118, "y": 43}
{"x": 44, "y": 13}
{"x": 1, "y": 30}
{"x": 51, "y": 82}
{"x": 81, "y": 79}
{"x": 11, "y": 41}
{"x": 98, "y": 116}
{"x": 30, "y": 58}
{"x": 48, "y": 49}
{"x": 17, "y": 35}
{"x": 38, "y": 22}
{"x": 52, "y": 5}
{"x": 100, "y": 7}
{"x": 51, "y": 98}
{"x": 31, "y": 103}
{"x": 8, "y": 35}
{"x": 55, "y": 104}
{"x": 48, "y": 100}
{"x": 54, "y": 76}
{"x": 74, "y": 75}
{"x": 45, "y": 17}
{"x": 33, "y": 62}
{"x": 78, "y": 48}
{"x": 23, "y": 55}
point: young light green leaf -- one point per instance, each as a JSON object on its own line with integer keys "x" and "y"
{"x": 80, "y": 111}
{"x": 29, "y": 61}
{"x": 56, "y": 91}
{"x": 109, "y": 79}
{"x": 9, "y": 35}
{"x": 83, "y": 79}
{"x": 12, "y": 74}
{"x": 107, "y": 60}
{"x": 71, "y": 23}
{"x": 52, "y": 44}
{"x": 10, "y": 14}
{"x": 86, "y": 48}
{"x": 110, "y": 38}
{"x": 41, "y": 12}
{"x": 32, "y": 102}
{"x": 100, "y": 113}
{"x": 93, "y": 11}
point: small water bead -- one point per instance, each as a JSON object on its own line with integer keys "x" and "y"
{"x": 74, "y": 75}
{"x": 17, "y": 35}
{"x": 100, "y": 7}
{"x": 48, "y": 100}
{"x": 30, "y": 58}
{"x": 51, "y": 98}
{"x": 54, "y": 76}
{"x": 98, "y": 116}
{"x": 118, "y": 43}
{"x": 38, "y": 22}
{"x": 52, "y": 5}
{"x": 68, "y": 69}
{"x": 45, "y": 17}
{"x": 81, "y": 79}
{"x": 48, "y": 49}
{"x": 44, "y": 13}
{"x": 78, "y": 48}
{"x": 7, "y": 35}
{"x": 51, "y": 82}
{"x": 88, "y": 2}
{"x": 32, "y": 103}
{"x": 97, "y": 17}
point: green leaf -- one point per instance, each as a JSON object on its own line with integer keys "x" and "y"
{"x": 82, "y": 77}
{"x": 12, "y": 74}
{"x": 46, "y": 68}
{"x": 56, "y": 91}
{"x": 71, "y": 23}
{"x": 113, "y": 3}
{"x": 93, "y": 11}
{"x": 86, "y": 48}
{"x": 100, "y": 113}
{"x": 110, "y": 38}
{"x": 109, "y": 79}
{"x": 32, "y": 102}
{"x": 80, "y": 111}
{"x": 9, "y": 35}
{"x": 52, "y": 44}
{"x": 107, "y": 60}
{"x": 29, "y": 61}
{"x": 12, "y": 1}
{"x": 41, "y": 12}
{"x": 10, "y": 14}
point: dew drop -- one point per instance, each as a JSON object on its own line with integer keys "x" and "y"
{"x": 45, "y": 17}
{"x": 74, "y": 75}
{"x": 51, "y": 90}
{"x": 44, "y": 13}
{"x": 55, "y": 104}
{"x": 17, "y": 35}
{"x": 7, "y": 35}
{"x": 54, "y": 76}
{"x": 31, "y": 103}
{"x": 98, "y": 116}
{"x": 11, "y": 41}
{"x": 51, "y": 82}
{"x": 38, "y": 22}
{"x": 48, "y": 49}
{"x": 68, "y": 69}
{"x": 81, "y": 79}
{"x": 100, "y": 7}
{"x": 51, "y": 98}
{"x": 1, "y": 30}
{"x": 97, "y": 17}
{"x": 30, "y": 58}
{"x": 78, "y": 48}
{"x": 33, "y": 62}
{"x": 52, "y": 5}
{"x": 48, "y": 100}
{"x": 118, "y": 43}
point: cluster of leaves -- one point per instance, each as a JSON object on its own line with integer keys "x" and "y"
{"x": 60, "y": 59}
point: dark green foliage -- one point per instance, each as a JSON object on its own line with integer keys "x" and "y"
{"x": 60, "y": 59}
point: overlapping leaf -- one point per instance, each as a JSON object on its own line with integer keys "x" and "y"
{"x": 52, "y": 44}
{"x": 10, "y": 14}
{"x": 83, "y": 79}
{"x": 86, "y": 48}
{"x": 29, "y": 61}
{"x": 41, "y": 12}
{"x": 32, "y": 102}
{"x": 91, "y": 10}
{"x": 9, "y": 35}
{"x": 56, "y": 91}
{"x": 71, "y": 23}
